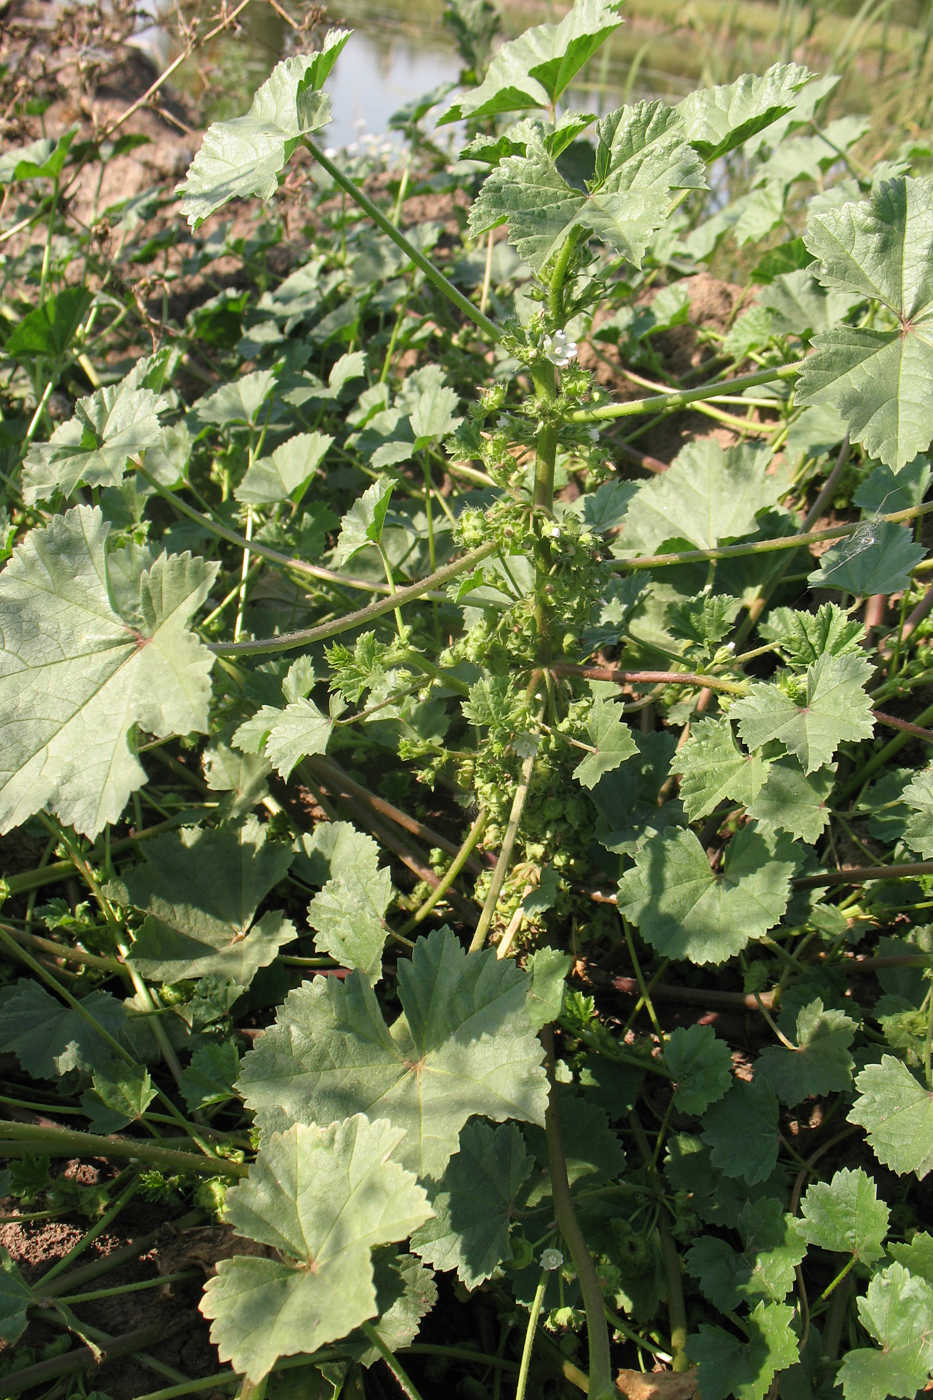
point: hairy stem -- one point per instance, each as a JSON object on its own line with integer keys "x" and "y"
{"x": 600, "y": 1368}
{"x": 432, "y": 273}
{"x": 48, "y": 1139}
{"x": 288, "y": 641}
{"x": 505, "y": 855}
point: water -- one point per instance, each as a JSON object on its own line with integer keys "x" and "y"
{"x": 398, "y": 53}
{"x": 375, "y": 76}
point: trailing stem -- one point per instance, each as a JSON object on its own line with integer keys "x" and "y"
{"x": 600, "y": 1369}
{"x": 432, "y": 273}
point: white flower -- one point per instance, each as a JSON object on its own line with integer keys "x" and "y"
{"x": 554, "y": 532}
{"x": 558, "y": 349}
{"x": 551, "y": 1259}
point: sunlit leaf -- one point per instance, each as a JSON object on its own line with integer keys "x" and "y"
{"x": 80, "y": 669}
{"x": 642, "y": 161}
{"x": 721, "y": 118}
{"x": 882, "y": 249}
{"x": 845, "y": 1215}
{"x": 463, "y": 1044}
{"x": 534, "y": 69}
{"x": 322, "y": 1285}
{"x": 611, "y": 739}
{"x": 896, "y": 1311}
{"x": 245, "y": 156}
{"x": 897, "y": 1114}
{"x": 833, "y": 709}
{"x": 686, "y": 910}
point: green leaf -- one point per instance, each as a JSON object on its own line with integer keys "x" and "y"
{"x": 475, "y": 1203}
{"x": 285, "y": 736}
{"x": 348, "y": 913}
{"x": 433, "y": 416}
{"x": 210, "y": 1076}
{"x": 642, "y": 161}
{"x": 721, "y": 118}
{"x": 109, "y": 429}
{"x": 712, "y": 769}
{"x": 918, "y": 794}
{"x": 534, "y": 69}
{"x": 835, "y": 708}
{"x": 591, "y": 1146}
{"x": 364, "y": 521}
{"x": 701, "y": 1066}
{"x": 846, "y": 1216}
{"x": 917, "y": 1256}
{"x": 773, "y": 1247}
{"x": 118, "y": 1098}
{"x": 323, "y": 1285}
{"x": 284, "y": 475}
{"x": 803, "y": 636}
{"x": 405, "y": 1292}
{"x": 49, "y": 328}
{"x": 246, "y": 155}
{"x": 705, "y": 621}
{"x": 897, "y": 1114}
{"x": 876, "y": 558}
{"x": 237, "y": 401}
{"x": 50, "y": 1039}
{"x": 612, "y": 740}
{"x": 821, "y": 1063}
{"x": 880, "y": 248}
{"x": 708, "y": 494}
{"x": 200, "y": 890}
{"x": 686, "y": 910}
{"x": 333, "y": 847}
{"x": 792, "y": 801}
{"x": 463, "y": 1045}
{"x": 897, "y": 1312}
{"x": 548, "y": 968}
{"x": 742, "y": 1130}
{"x": 79, "y": 669}
{"x": 15, "y": 1298}
{"x": 744, "y": 1367}
{"x": 796, "y": 304}
{"x": 40, "y": 160}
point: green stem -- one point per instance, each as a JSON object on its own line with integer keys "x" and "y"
{"x": 59, "y": 950}
{"x": 432, "y": 273}
{"x": 89, "y": 1236}
{"x": 288, "y": 641}
{"x": 505, "y": 856}
{"x": 456, "y": 865}
{"x": 58, "y": 870}
{"x": 676, "y": 1309}
{"x": 530, "y": 1330}
{"x": 262, "y": 551}
{"x": 600, "y": 1368}
{"x": 735, "y": 551}
{"x": 392, "y": 1361}
{"x": 47, "y": 1139}
{"x": 680, "y": 398}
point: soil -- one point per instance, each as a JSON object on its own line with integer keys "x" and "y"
{"x": 158, "y": 1323}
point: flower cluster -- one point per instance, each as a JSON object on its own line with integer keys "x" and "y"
{"x": 559, "y": 349}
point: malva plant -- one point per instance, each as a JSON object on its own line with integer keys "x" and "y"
{"x": 596, "y": 732}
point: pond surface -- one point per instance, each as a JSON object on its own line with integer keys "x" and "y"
{"x": 401, "y": 50}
